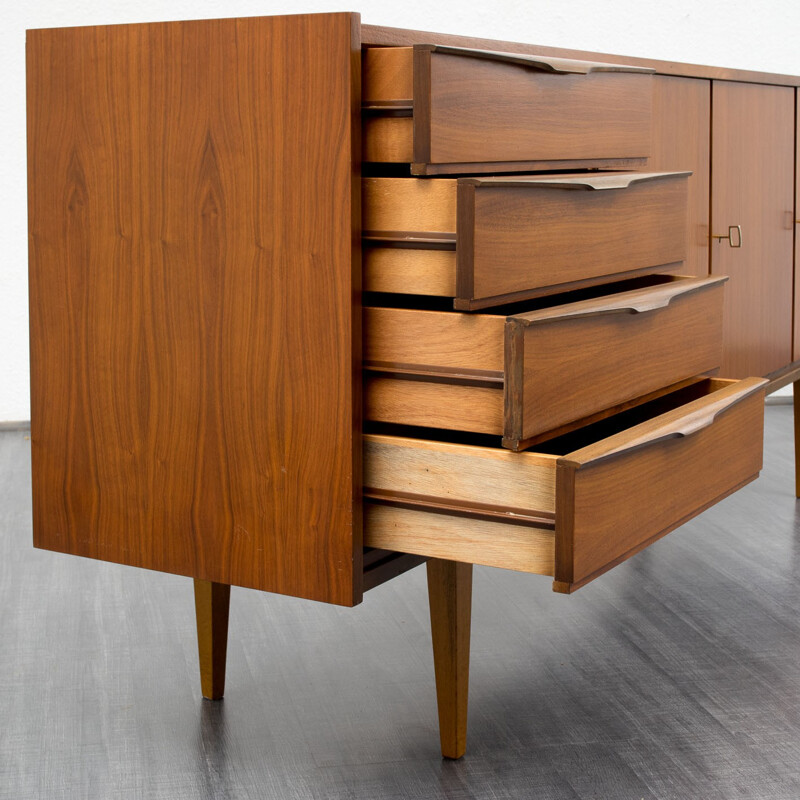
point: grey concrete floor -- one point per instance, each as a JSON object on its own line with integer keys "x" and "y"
{"x": 677, "y": 675}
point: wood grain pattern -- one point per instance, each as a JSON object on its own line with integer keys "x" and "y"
{"x": 195, "y": 343}
{"x": 387, "y": 74}
{"x": 494, "y": 167}
{"x": 457, "y": 407}
{"x": 526, "y": 237}
{"x": 388, "y": 139}
{"x": 681, "y": 141}
{"x": 410, "y": 271}
{"x": 409, "y": 204}
{"x": 521, "y": 237}
{"x": 438, "y": 339}
{"x": 628, "y": 297}
{"x": 518, "y": 445}
{"x": 483, "y": 110}
{"x": 546, "y": 64}
{"x": 212, "y": 603}
{"x": 389, "y": 84}
{"x": 609, "y": 508}
{"x": 613, "y": 495}
{"x": 753, "y": 186}
{"x": 473, "y": 540}
{"x": 560, "y": 364}
{"x": 783, "y": 376}
{"x": 690, "y": 648}
{"x": 450, "y": 601}
{"x": 562, "y": 370}
{"x": 456, "y": 474}
{"x": 377, "y": 35}
{"x": 716, "y": 397}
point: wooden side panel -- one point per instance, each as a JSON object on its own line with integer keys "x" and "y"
{"x": 387, "y": 75}
{"x": 437, "y": 340}
{"x": 796, "y": 316}
{"x": 681, "y": 141}
{"x": 388, "y": 139}
{"x": 453, "y": 406}
{"x": 194, "y": 214}
{"x": 461, "y": 475}
{"x": 753, "y": 186}
{"x": 526, "y": 238}
{"x": 611, "y": 509}
{"x": 573, "y": 368}
{"x": 410, "y": 271}
{"x": 409, "y": 205}
{"x": 460, "y": 538}
{"x": 492, "y": 111}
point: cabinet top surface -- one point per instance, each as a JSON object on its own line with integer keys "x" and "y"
{"x": 379, "y": 35}
{"x": 385, "y": 36}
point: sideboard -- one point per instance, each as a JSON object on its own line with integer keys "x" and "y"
{"x": 314, "y": 302}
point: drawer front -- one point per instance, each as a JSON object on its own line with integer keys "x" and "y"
{"x": 517, "y": 238}
{"x": 598, "y": 504}
{"x": 557, "y": 367}
{"x": 513, "y": 111}
{"x": 570, "y": 363}
{"x": 620, "y": 495}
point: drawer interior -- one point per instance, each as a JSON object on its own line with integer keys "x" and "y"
{"x": 569, "y": 442}
{"x": 490, "y": 241}
{"x": 533, "y": 370}
{"x": 406, "y": 330}
{"x": 574, "y": 506}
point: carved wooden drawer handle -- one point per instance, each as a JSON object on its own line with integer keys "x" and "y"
{"x": 590, "y": 182}
{"x": 680, "y": 422}
{"x": 556, "y": 66}
{"x": 637, "y": 301}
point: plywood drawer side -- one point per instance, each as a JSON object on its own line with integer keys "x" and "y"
{"x": 516, "y": 238}
{"x": 554, "y": 366}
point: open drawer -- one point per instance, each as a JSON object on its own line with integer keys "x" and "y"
{"x": 527, "y": 374}
{"x": 576, "y": 506}
{"x": 487, "y": 241}
{"x": 452, "y": 109}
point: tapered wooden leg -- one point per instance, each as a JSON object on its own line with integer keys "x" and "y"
{"x": 450, "y": 596}
{"x": 796, "y": 403}
{"x": 211, "y": 603}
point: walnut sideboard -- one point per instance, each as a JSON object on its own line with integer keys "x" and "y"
{"x": 313, "y": 303}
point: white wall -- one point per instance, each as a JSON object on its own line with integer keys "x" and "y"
{"x": 735, "y": 33}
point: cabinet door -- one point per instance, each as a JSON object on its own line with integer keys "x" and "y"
{"x": 681, "y": 120}
{"x": 752, "y": 186}
{"x": 796, "y": 349}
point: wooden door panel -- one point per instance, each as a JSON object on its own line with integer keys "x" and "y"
{"x": 681, "y": 121}
{"x": 796, "y": 343}
{"x": 194, "y": 341}
{"x": 753, "y": 186}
